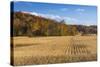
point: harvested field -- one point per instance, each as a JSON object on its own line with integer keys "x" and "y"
{"x": 56, "y": 49}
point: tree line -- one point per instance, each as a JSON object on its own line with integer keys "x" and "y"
{"x": 24, "y": 24}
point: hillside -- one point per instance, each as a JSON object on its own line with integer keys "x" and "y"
{"x": 25, "y": 24}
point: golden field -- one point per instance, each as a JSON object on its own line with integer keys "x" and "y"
{"x": 55, "y": 49}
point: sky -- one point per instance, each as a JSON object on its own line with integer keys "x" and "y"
{"x": 72, "y": 14}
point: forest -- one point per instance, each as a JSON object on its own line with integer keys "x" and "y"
{"x": 24, "y": 24}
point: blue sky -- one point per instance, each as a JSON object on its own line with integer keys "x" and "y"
{"x": 72, "y": 14}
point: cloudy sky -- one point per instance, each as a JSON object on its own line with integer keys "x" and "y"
{"x": 72, "y": 14}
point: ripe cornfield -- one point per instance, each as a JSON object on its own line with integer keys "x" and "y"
{"x": 55, "y": 49}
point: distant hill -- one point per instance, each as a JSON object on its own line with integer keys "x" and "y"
{"x": 92, "y": 29}
{"x": 25, "y": 24}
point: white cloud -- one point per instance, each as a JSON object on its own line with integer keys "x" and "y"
{"x": 80, "y": 10}
{"x": 50, "y": 16}
{"x": 54, "y": 17}
{"x": 34, "y": 13}
{"x": 71, "y": 19}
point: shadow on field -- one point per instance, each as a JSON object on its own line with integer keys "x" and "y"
{"x": 24, "y": 45}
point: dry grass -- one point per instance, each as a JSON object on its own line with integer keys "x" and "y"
{"x": 59, "y": 49}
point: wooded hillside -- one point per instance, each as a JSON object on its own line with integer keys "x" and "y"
{"x": 25, "y": 24}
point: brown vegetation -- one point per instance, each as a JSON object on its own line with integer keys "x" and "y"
{"x": 24, "y": 24}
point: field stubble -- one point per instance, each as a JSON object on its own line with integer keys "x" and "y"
{"x": 58, "y": 49}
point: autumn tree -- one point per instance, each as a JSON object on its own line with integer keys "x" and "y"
{"x": 30, "y": 25}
